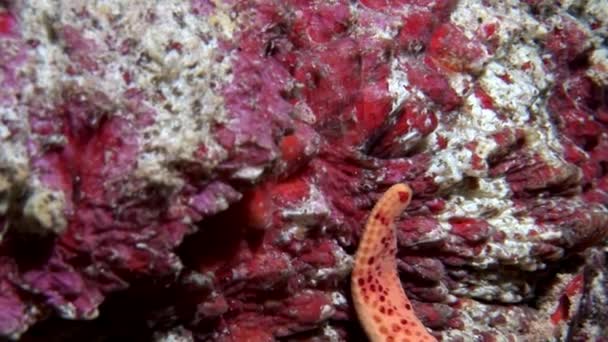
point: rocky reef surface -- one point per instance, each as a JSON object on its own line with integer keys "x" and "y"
{"x": 202, "y": 170}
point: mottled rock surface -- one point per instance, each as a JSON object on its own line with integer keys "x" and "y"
{"x": 202, "y": 170}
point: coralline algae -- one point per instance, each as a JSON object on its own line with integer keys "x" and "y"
{"x": 202, "y": 170}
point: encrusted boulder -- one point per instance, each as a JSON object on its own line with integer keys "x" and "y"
{"x": 202, "y": 170}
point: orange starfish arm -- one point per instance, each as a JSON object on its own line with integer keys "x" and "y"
{"x": 383, "y": 309}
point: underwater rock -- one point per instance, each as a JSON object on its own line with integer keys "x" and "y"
{"x": 203, "y": 170}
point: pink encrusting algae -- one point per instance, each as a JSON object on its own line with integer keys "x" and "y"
{"x": 383, "y": 308}
{"x": 203, "y": 169}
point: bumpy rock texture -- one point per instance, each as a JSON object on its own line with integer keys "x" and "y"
{"x": 202, "y": 170}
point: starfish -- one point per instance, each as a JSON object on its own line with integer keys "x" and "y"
{"x": 381, "y": 304}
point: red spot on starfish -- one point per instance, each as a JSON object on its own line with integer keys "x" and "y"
{"x": 404, "y": 196}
